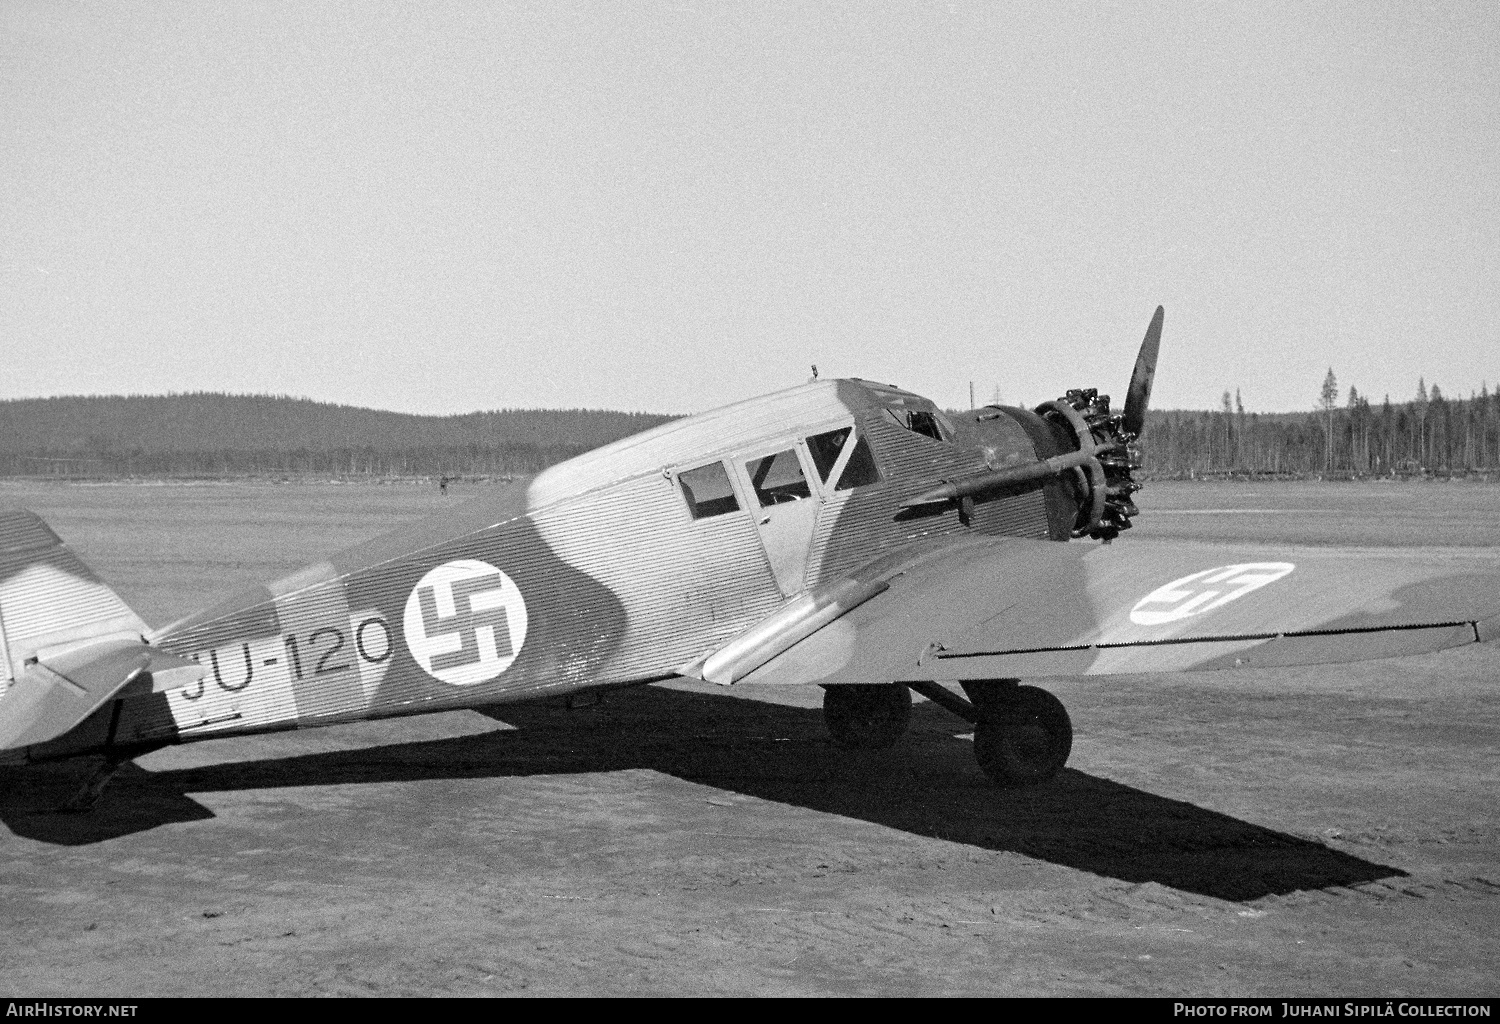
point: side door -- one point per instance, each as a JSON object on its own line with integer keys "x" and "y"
{"x": 781, "y": 485}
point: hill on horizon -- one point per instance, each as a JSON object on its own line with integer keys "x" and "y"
{"x": 210, "y": 433}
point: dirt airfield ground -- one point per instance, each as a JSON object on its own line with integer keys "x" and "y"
{"x": 1327, "y": 830}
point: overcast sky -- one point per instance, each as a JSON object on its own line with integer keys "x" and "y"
{"x": 447, "y": 207}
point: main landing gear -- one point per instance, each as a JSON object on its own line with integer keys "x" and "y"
{"x": 1022, "y": 735}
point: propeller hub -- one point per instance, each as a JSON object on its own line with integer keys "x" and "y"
{"x": 1104, "y": 482}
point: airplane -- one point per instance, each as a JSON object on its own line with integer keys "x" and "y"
{"x": 841, "y": 533}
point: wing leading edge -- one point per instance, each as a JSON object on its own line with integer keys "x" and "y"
{"x": 987, "y": 607}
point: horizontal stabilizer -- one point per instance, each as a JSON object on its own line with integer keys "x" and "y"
{"x": 48, "y": 597}
{"x": 59, "y": 690}
{"x": 67, "y": 642}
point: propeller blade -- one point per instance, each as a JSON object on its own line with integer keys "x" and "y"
{"x": 1145, "y": 372}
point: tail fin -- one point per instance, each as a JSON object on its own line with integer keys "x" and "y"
{"x": 67, "y": 642}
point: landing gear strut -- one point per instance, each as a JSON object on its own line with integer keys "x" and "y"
{"x": 866, "y": 717}
{"x": 88, "y": 794}
{"x": 1022, "y": 735}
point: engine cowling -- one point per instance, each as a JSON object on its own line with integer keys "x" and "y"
{"x": 1103, "y": 480}
{"x": 1084, "y": 454}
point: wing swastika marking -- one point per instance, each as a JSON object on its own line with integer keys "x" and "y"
{"x": 1205, "y": 591}
{"x": 465, "y": 622}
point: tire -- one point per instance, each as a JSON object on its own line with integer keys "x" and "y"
{"x": 1025, "y": 742}
{"x": 866, "y": 717}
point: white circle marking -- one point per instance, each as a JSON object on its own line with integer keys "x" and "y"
{"x": 465, "y": 622}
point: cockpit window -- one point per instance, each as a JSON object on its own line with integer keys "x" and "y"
{"x": 708, "y": 491}
{"x": 925, "y": 423}
{"x": 826, "y": 449}
{"x": 778, "y": 478}
{"x": 918, "y": 421}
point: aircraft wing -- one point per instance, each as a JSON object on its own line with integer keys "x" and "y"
{"x": 990, "y": 607}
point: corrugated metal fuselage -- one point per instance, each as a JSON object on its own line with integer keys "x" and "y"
{"x": 595, "y": 573}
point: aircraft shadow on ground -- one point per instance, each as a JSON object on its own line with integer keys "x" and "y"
{"x": 928, "y": 785}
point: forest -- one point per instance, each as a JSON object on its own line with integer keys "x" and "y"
{"x": 216, "y": 435}
{"x": 1429, "y": 435}
{"x": 211, "y": 435}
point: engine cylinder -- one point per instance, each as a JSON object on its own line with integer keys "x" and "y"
{"x": 1104, "y": 484}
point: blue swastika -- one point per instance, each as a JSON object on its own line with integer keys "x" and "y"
{"x": 465, "y": 622}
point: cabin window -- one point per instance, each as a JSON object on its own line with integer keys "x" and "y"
{"x": 708, "y": 491}
{"x": 860, "y": 469}
{"x": 778, "y": 478}
{"x": 845, "y": 455}
{"x": 826, "y": 449}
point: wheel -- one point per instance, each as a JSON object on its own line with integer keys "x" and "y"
{"x": 866, "y": 717}
{"x": 1025, "y": 741}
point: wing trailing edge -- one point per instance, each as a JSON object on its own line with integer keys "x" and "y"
{"x": 1198, "y": 654}
{"x": 990, "y": 607}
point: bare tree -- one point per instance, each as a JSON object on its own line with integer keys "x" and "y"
{"x": 1421, "y": 409}
{"x": 1239, "y": 429}
{"x": 1228, "y": 411}
{"x": 1328, "y": 400}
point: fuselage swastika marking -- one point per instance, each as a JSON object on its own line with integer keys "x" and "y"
{"x": 465, "y": 622}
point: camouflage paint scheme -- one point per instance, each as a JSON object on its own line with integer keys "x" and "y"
{"x": 597, "y": 574}
{"x": 620, "y": 584}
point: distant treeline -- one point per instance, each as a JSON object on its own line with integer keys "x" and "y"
{"x": 1432, "y": 434}
{"x": 205, "y": 434}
